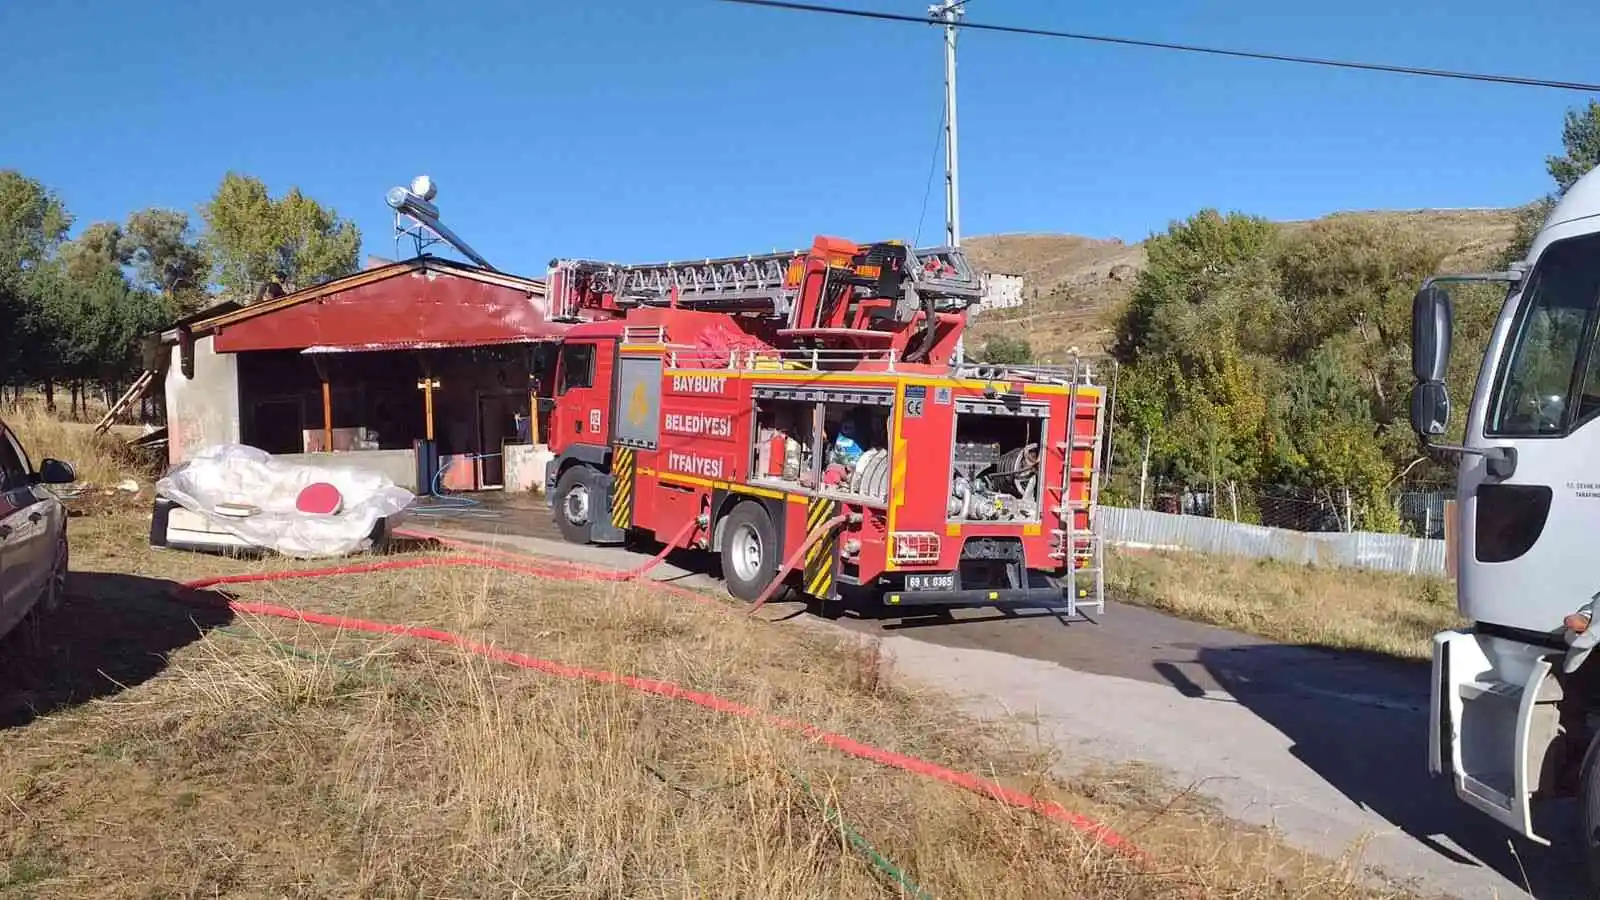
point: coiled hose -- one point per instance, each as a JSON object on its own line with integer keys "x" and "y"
{"x": 453, "y": 506}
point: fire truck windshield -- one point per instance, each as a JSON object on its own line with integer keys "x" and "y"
{"x": 1551, "y": 353}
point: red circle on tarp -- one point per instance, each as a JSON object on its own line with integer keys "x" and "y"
{"x": 319, "y": 499}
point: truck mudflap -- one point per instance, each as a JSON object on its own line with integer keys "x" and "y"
{"x": 1494, "y": 723}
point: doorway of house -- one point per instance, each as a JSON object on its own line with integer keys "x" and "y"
{"x": 278, "y": 425}
{"x": 497, "y": 423}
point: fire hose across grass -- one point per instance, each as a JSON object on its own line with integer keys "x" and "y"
{"x": 472, "y": 555}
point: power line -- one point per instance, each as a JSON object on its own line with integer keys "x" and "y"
{"x": 1187, "y": 48}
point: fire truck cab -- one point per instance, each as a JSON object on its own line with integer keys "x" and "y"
{"x": 825, "y": 435}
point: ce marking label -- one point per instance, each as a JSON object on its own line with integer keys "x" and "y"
{"x": 916, "y": 398}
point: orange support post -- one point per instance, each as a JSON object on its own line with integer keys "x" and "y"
{"x": 327, "y": 416}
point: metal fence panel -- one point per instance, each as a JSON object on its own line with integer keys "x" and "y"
{"x": 1361, "y": 549}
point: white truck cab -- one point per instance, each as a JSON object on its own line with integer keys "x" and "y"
{"x": 1514, "y": 692}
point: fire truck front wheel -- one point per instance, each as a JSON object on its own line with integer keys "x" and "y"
{"x": 575, "y": 506}
{"x": 749, "y": 551}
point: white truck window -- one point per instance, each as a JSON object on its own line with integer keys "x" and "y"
{"x": 1553, "y": 335}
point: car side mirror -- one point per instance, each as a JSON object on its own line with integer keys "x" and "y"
{"x": 54, "y": 471}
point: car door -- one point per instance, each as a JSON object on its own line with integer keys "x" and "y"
{"x": 15, "y": 507}
{"x": 25, "y": 527}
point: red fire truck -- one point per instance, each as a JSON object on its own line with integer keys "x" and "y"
{"x": 802, "y": 415}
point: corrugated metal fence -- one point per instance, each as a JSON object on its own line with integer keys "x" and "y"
{"x": 1361, "y": 549}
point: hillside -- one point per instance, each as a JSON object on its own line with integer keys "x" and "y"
{"x": 1074, "y": 285}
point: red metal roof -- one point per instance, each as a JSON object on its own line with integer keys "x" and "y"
{"x": 412, "y": 304}
{"x": 417, "y": 345}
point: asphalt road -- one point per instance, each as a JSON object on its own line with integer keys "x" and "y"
{"x": 1328, "y": 748}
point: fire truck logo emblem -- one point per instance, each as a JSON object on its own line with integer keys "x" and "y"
{"x": 638, "y": 405}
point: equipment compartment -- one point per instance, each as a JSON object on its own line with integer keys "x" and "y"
{"x": 997, "y": 463}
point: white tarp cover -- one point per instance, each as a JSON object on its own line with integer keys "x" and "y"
{"x": 239, "y": 474}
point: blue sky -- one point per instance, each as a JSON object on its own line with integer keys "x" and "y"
{"x": 637, "y": 130}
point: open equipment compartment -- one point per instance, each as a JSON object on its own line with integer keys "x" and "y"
{"x": 785, "y": 451}
{"x": 826, "y": 445}
{"x": 997, "y": 462}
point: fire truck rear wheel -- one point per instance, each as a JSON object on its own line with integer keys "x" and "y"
{"x": 749, "y": 551}
{"x": 575, "y": 504}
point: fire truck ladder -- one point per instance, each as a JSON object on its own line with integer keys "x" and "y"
{"x": 734, "y": 283}
{"x": 759, "y": 283}
{"x": 1081, "y": 548}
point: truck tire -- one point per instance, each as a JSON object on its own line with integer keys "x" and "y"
{"x": 576, "y": 503}
{"x": 1589, "y": 811}
{"x": 749, "y": 551}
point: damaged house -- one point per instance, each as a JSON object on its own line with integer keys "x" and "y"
{"x": 412, "y": 368}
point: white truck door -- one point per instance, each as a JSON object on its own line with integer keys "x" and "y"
{"x": 1528, "y": 538}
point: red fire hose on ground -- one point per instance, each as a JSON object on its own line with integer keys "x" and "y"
{"x": 564, "y": 571}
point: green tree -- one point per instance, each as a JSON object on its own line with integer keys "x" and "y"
{"x": 1350, "y": 281}
{"x": 1256, "y": 353}
{"x": 33, "y": 222}
{"x": 255, "y": 240}
{"x": 167, "y": 260}
{"x": 99, "y": 247}
{"x": 92, "y": 321}
{"x": 1580, "y": 142}
{"x": 1006, "y": 350}
{"x": 1208, "y": 279}
{"x": 1197, "y": 344}
{"x": 1580, "y": 138}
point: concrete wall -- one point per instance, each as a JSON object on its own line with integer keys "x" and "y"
{"x": 399, "y": 466}
{"x": 202, "y": 410}
{"x": 526, "y": 465}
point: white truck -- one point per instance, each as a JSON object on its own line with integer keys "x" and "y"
{"x": 1515, "y": 712}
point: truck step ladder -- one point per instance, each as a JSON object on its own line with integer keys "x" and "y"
{"x": 1081, "y": 548}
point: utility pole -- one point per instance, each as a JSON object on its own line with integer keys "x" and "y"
{"x": 948, "y": 13}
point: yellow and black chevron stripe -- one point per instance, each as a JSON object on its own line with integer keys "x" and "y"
{"x": 623, "y": 469}
{"x": 818, "y": 577}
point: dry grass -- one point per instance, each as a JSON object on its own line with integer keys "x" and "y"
{"x": 1343, "y": 609}
{"x": 1080, "y": 283}
{"x": 269, "y": 758}
{"x": 100, "y": 459}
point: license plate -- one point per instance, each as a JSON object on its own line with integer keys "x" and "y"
{"x": 942, "y": 581}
